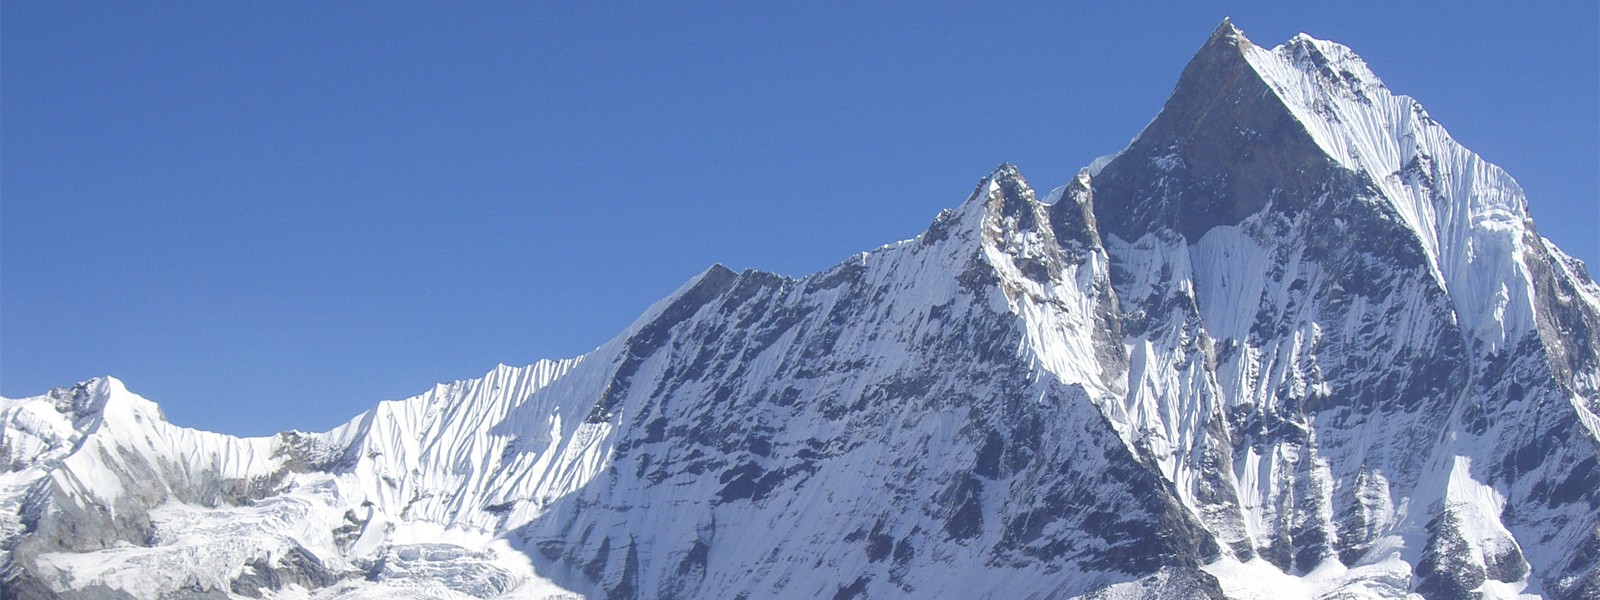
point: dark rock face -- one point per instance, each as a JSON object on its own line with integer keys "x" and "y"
{"x": 298, "y": 567}
{"x": 1351, "y": 368}
{"x": 1226, "y": 152}
{"x": 1223, "y": 148}
{"x": 1236, "y": 340}
{"x": 1019, "y": 467}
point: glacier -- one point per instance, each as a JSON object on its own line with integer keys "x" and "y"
{"x": 1293, "y": 341}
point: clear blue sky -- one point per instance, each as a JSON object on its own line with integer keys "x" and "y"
{"x": 272, "y": 215}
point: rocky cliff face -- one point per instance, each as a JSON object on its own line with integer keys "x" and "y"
{"x": 1353, "y": 307}
{"x": 1292, "y": 341}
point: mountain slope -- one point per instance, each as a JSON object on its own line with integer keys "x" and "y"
{"x": 1367, "y": 295}
{"x": 1293, "y": 340}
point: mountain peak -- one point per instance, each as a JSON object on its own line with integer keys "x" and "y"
{"x": 1005, "y": 171}
{"x": 1198, "y": 165}
{"x": 1226, "y": 39}
{"x": 1280, "y": 133}
{"x": 1006, "y": 191}
{"x": 1331, "y": 64}
{"x": 1227, "y": 32}
{"x": 1250, "y": 379}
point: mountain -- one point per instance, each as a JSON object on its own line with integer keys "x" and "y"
{"x": 1293, "y": 341}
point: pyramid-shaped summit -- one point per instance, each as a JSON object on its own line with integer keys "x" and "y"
{"x": 1293, "y": 340}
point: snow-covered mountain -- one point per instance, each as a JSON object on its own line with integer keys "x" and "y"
{"x": 1293, "y": 341}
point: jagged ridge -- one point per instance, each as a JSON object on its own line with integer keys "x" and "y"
{"x": 1292, "y": 339}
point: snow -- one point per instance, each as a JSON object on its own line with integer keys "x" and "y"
{"x": 1229, "y": 276}
{"x": 1099, "y": 163}
{"x": 1257, "y": 579}
{"x": 436, "y": 446}
{"x": 450, "y": 494}
{"x": 1479, "y": 507}
{"x": 1469, "y": 215}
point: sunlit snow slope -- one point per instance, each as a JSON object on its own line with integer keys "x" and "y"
{"x": 1293, "y": 342}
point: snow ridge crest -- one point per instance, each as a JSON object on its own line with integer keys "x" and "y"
{"x": 1265, "y": 345}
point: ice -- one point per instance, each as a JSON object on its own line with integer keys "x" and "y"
{"x": 824, "y": 432}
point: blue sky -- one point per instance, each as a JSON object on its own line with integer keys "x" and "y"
{"x": 272, "y": 215}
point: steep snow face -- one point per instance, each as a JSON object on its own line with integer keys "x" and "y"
{"x": 1292, "y": 342}
{"x": 1470, "y": 216}
{"x": 448, "y": 455}
{"x": 921, "y": 419}
{"x": 887, "y": 427}
{"x": 1349, "y": 310}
